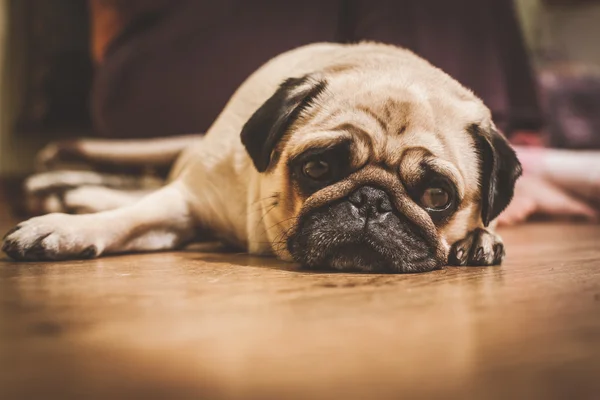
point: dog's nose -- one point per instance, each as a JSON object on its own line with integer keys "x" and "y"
{"x": 371, "y": 202}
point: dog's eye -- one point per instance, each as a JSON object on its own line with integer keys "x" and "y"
{"x": 435, "y": 199}
{"x": 316, "y": 169}
{"x": 319, "y": 167}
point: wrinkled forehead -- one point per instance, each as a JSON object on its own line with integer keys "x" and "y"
{"x": 385, "y": 125}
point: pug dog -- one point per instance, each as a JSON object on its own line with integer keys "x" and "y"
{"x": 360, "y": 157}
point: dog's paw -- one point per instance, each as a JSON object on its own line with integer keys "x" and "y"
{"x": 480, "y": 248}
{"x": 56, "y": 153}
{"x": 46, "y": 192}
{"x": 51, "y": 237}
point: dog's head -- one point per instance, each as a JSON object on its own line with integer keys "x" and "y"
{"x": 377, "y": 167}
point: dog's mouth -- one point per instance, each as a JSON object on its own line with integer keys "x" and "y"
{"x": 340, "y": 237}
{"x": 360, "y": 252}
{"x": 366, "y": 255}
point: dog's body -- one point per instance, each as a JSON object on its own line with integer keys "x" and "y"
{"x": 339, "y": 167}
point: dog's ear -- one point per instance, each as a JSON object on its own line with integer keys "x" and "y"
{"x": 270, "y": 122}
{"x": 500, "y": 169}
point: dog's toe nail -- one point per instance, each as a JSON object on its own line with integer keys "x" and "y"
{"x": 89, "y": 252}
{"x": 12, "y": 250}
{"x": 479, "y": 253}
{"x": 9, "y": 244}
{"x": 458, "y": 257}
{"x": 10, "y": 232}
{"x": 37, "y": 250}
{"x": 461, "y": 257}
{"x": 498, "y": 252}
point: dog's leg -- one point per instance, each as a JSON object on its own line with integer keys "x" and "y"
{"x": 115, "y": 154}
{"x": 91, "y": 199}
{"x": 160, "y": 221}
{"x": 59, "y": 181}
{"x": 84, "y": 191}
{"x": 481, "y": 247}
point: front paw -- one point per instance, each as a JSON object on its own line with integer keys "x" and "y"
{"x": 480, "y": 248}
{"x": 50, "y": 237}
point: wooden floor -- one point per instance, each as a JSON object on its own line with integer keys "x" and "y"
{"x": 208, "y": 325}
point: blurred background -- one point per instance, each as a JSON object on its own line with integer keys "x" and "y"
{"x": 132, "y": 68}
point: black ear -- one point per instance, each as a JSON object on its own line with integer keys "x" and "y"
{"x": 500, "y": 169}
{"x": 270, "y": 122}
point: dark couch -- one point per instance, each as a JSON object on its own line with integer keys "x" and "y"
{"x": 172, "y": 69}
